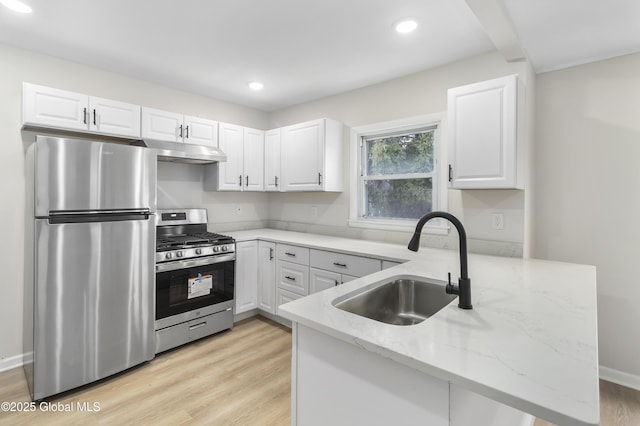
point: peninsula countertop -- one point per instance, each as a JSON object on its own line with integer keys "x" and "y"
{"x": 530, "y": 341}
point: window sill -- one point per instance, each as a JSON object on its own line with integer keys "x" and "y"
{"x": 436, "y": 228}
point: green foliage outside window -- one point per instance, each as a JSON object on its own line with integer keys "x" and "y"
{"x": 399, "y": 176}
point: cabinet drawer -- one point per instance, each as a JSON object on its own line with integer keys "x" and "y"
{"x": 293, "y": 277}
{"x": 198, "y": 328}
{"x": 293, "y": 254}
{"x": 348, "y": 264}
{"x": 284, "y": 296}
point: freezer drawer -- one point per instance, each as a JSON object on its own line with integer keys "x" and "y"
{"x": 93, "y": 301}
{"x": 80, "y": 175}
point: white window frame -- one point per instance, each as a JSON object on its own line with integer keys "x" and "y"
{"x": 356, "y": 184}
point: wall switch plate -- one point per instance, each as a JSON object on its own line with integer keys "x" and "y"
{"x": 314, "y": 211}
{"x": 497, "y": 220}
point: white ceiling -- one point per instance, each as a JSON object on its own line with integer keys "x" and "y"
{"x": 307, "y": 49}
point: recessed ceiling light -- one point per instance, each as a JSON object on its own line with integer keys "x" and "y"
{"x": 256, "y": 85}
{"x": 16, "y": 6}
{"x": 406, "y": 26}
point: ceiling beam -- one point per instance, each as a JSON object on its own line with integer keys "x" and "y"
{"x": 496, "y": 23}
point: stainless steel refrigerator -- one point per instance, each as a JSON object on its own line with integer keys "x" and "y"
{"x": 90, "y": 279}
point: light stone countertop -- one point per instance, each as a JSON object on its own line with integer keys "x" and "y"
{"x": 530, "y": 341}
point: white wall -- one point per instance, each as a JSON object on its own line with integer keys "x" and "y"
{"x": 180, "y": 185}
{"x": 588, "y": 193}
{"x": 417, "y": 94}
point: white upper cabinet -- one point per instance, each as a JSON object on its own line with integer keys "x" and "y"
{"x": 230, "y": 173}
{"x": 485, "y": 126}
{"x": 161, "y": 125}
{"x": 200, "y": 131}
{"x": 60, "y": 109}
{"x": 253, "y": 160}
{"x": 272, "y": 175}
{"x": 114, "y": 118}
{"x": 244, "y": 168}
{"x": 173, "y": 127}
{"x": 312, "y": 156}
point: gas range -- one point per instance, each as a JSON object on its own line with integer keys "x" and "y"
{"x": 182, "y": 235}
{"x": 195, "y": 278}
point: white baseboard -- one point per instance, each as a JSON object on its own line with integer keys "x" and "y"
{"x": 11, "y": 362}
{"x": 620, "y": 377}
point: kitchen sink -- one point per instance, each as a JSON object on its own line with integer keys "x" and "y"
{"x": 401, "y": 301}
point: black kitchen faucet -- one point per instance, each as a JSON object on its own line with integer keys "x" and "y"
{"x": 463, "y": 289}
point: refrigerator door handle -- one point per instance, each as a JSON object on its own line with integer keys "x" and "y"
{"x": 84, "y": 217}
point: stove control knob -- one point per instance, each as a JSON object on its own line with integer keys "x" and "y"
{"x": 179, "y": 254}
{"x": 198, "y": 251}
{"x": 216, "y": 249}
{"x": 168, "y": 256}
{"x": 224, "y": 248}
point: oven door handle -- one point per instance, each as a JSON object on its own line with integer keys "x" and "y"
{"x": 184, "y": 264}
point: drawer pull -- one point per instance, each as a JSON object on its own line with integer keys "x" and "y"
{"x": 337, "y": 283}
{"x": 343, "y": 265}
{"x": 290, "y": 254}
{"x": 196, "y": 326}
{"x": 290, "y": 278}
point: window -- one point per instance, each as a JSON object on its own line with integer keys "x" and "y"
{"x": 396, "y": 174}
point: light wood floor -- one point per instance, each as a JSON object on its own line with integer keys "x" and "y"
{"x": 238, "y": 377}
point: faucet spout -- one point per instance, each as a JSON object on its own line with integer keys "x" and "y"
{"x": 463, "y": 289}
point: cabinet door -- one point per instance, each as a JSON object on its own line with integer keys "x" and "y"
{"x": 230, "y": 173}
{"x": 253, "y": 160}
{"x": 293, "y": 277}
{"x": 321, "y": 280}
{"x": 114, "y": 118}
{"x": 483, "y": 130}
{"x": 55, "y": 108}
{"x": 246, "y": 297}
{"x": 161, "y": 125}
{"x": 303, "y": 150}
{"x": 267, "y": 276}
{"x": 272, "y": 178}
{"x": 200, "y": 131}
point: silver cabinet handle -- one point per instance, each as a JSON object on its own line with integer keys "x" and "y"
{"x": 337, "y": 282}
{"x": 181, "y": 130}
{"x": 187, "y": 136}
{"x": 290, "y": 254}
{"x": 290, "y": 278}
{"x": 342, "y": 265}
{"x": 270, "y": 253}
{"x": 240, "y": 181}
{"x": 94, "y": 117}
{"x": 247, "y": 180}
{"x": 319, "y": 178}
{"x": 84, "y": 116}
{"x": 276, "y": 181}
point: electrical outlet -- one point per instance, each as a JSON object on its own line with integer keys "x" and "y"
{"x": 238, "y": 209}
{"x": 497, "y": 220}
{"x": 314, "y": 211}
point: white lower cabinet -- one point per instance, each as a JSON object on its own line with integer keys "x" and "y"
{"x": 284, "y": 296}
{"x": 246, "y": 297}
{"x": 267, "y": 277}
{"x": 293, "y": 277}
{"x": 270, "y": 274}
{"x": 320, "y": 279}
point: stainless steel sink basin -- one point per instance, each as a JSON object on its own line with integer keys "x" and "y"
{"x": 402, "y": 301}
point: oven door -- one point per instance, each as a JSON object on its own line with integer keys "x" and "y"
{"x": 204, "y": 285}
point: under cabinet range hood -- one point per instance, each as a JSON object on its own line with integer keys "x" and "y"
{"x": 180, "y": 152}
